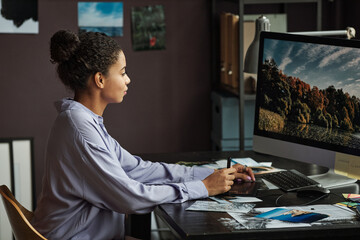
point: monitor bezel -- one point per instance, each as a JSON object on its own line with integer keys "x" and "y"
{"x": 305, "y": 39}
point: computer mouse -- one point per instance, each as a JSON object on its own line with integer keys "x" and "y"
{"x": 312, "y": 192}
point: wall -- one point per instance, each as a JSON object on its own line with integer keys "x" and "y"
{"x": 167, "y": 108}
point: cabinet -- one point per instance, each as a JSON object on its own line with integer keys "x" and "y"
{"x": 225, "y": 122}
{"x": 244, "y": 100}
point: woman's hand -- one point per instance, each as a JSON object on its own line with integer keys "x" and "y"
{"x": 244, "y": 173}
{"x": 220, "y": 181}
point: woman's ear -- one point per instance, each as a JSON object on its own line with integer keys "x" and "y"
{"x": 99, "y": 80}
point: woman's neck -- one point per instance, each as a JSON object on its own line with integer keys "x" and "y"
{"x": 91, "y": 101}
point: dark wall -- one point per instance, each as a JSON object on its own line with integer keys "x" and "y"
{"x": 167, "y": 108}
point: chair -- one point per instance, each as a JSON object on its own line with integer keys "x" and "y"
{"x": 19, "y": 217}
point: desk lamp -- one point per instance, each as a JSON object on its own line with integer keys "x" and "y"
{"x": 251, "y": 59}
{"x": 263, "y": 24}
{"x": 349, "y": 32}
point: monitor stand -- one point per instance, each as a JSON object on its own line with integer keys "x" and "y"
{"x": 332, "y": 180}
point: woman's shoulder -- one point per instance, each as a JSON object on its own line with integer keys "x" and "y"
{"x": 81, "y": 123}
{"x": 78, "y": 114}
{"x": 78, "y": 118}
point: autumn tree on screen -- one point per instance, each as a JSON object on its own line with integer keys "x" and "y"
{"x": 295, "y": 100}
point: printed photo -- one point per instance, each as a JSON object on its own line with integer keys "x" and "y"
{"x": 148, "y": 28}
{"x": 211, "y": 206}
{"x": 292, "y": 215}
{"x": 251, "y": 222}
{"x": 352, "y": 197}
{"x": 19, "y": 16}
{"x": 105, "y": 17}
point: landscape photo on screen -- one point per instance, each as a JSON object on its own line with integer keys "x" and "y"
{"x": 310, "y": 92}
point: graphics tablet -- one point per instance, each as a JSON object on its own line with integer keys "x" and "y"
{"x": 244, "y": 189}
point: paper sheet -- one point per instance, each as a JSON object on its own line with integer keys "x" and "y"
{"x": 336, "y": 213}
{"x": 251, "y": 222}
{"x": 222, "y": 163}
{"x": 211, "y": 206}
{"x": 235, "y": 199}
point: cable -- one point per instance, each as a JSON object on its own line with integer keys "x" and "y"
{"x": 340, "y": 196}
{"x": 316, "y": 199}
{"x": 304, "y": 204}
{"x": 277, "y": 199}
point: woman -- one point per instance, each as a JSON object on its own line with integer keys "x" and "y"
{"x": 90, "y": 181}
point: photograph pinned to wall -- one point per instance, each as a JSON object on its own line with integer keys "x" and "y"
{"x": 19, "y": 16}
{"x": 148, "y": 28}
{"x": 105, "y": 17}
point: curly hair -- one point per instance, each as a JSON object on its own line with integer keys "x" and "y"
{"x": 81, "y": 56}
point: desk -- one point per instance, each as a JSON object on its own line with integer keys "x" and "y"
{"x": 206, "y": 225}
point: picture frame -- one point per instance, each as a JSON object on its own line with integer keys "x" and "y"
{"x": 16, "y": 172}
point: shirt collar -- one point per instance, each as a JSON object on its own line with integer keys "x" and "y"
{"x": 69, "y": 104}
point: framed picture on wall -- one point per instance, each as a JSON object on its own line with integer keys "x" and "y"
{"x": 16, "y": 172}
{"x": 5, "y": 178}
{"x": 148, "y": 28}
{"x": 105, "y": 17}
{"x": 19, "y": 16}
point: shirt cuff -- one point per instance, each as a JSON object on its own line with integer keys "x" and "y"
{"x": 196, "y": 190}
{"x": 200, "y": 173}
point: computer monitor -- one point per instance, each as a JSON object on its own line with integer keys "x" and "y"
{"x": 308, "y": 97}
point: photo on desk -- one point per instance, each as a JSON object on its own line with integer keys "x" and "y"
{"x": 211, "y": 206}
{"x": 352, "y": 197}
{"x": 250, "y": 222}
{"x": 292, "y": 215}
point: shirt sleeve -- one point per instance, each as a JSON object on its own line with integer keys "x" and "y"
{"x": 107, "y": 185}
{"x": 158, "y": 172}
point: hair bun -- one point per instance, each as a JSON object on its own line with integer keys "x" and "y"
{"x": 63, "y": 45}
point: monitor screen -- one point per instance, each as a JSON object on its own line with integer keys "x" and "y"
{"x": 308, "y": 97}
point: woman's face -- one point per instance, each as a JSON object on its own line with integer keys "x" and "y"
{"x": 116, "y": 81}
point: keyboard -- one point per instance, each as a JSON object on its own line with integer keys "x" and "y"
{"x": 289, "y": 180}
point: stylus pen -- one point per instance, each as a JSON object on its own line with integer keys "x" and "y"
{"x": 229, "y": 162}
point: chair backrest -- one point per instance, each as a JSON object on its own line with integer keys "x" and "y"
{"x": 19, "y": 217}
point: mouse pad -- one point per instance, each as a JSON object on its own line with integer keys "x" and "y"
{"x": 244, "y": 189}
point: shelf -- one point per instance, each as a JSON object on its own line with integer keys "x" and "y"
{"x": 235, "y": 92}
{"x": 240, "y": 93}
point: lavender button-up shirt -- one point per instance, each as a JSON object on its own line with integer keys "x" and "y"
{"x": 90, "y": 181}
